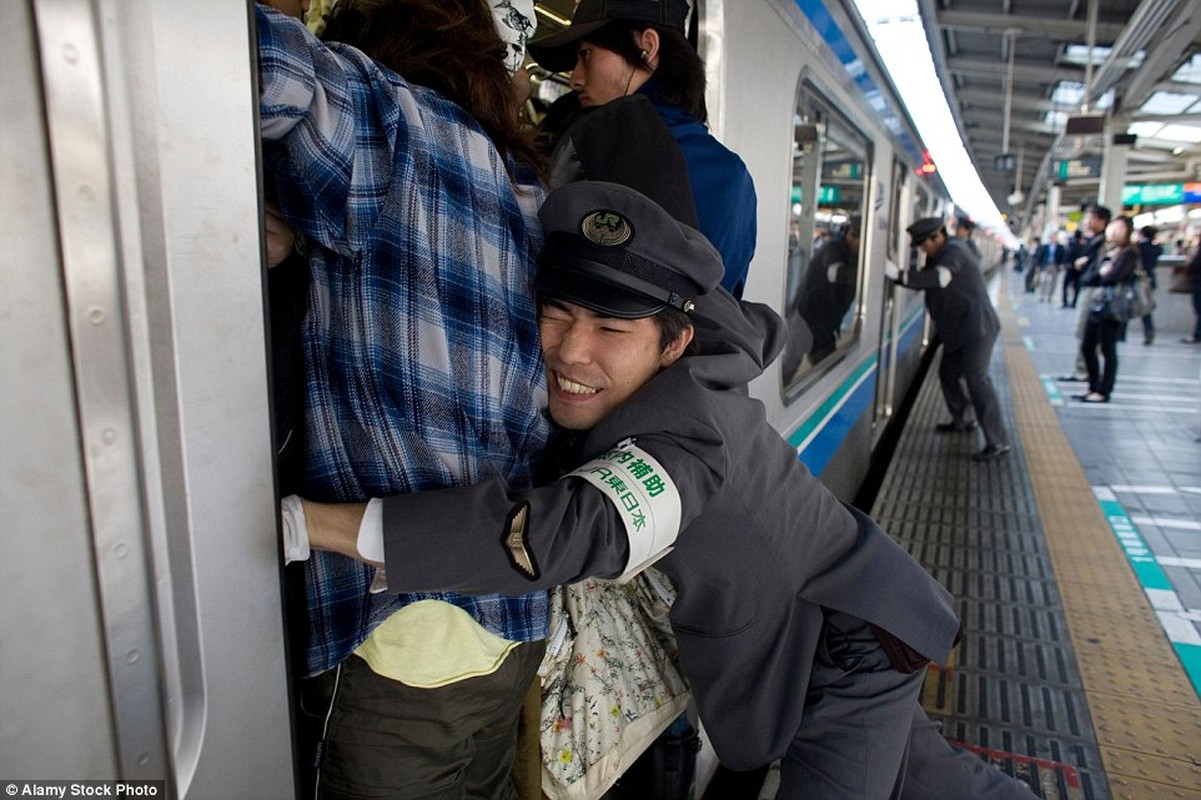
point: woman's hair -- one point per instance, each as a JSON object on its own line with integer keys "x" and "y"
{"x": 450, "y": 46}
{"x": 1128, "y": 224}
{"x": 680, "y": 72}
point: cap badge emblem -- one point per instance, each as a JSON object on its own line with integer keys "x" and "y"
{"x": 606, "y": 228}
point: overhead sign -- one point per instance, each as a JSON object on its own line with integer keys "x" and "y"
{"x": 1160, "y": 194}
{"x": 1088, "y": 167}
{"x": 826, "y": 195}
{"x": 842, "y": 170}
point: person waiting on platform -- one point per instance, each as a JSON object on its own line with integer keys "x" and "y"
{"x": 614, "y": 49}
{"x": 1149, "y": 252}
{"x": 1194, "y": 281}
{"x": 957, "y": 300}
{"x": 803, "y": 628}
{"x": 1117, "y": 265}
{"x": 1094, "y": 222}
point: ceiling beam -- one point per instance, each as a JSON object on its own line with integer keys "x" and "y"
{"x": 1032, "y": 73}
{"x": 1169, "y": 51}
{"x": 1052, "y": 27}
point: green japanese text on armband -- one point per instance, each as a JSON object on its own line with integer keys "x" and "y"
{"x": 645, "y": 497}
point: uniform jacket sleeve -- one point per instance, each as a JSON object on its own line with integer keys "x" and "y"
{"x": 463, "y": 538}
{"x": 953, "y": 259}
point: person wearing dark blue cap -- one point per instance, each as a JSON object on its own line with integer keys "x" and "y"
{"x": 803, "y": 629}
{"x": 957, "y": 300}
{"x": 617, "y": 48}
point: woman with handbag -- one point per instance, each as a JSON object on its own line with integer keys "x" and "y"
{"x": 1104, "y": 327}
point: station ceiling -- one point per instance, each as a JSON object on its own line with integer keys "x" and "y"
{"x": 1145, "y": 79}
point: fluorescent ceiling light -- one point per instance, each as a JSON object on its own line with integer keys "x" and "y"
{"x": 1078, "y": 54}
{"x": 1168, "y": 103}
{"x": 1189, "y": 71}
{"x": 896, "y": 28}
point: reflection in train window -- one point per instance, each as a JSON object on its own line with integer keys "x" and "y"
{"x": 830, "y": 164}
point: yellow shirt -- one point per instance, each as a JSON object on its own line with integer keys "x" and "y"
{"x": 430, "y": 644}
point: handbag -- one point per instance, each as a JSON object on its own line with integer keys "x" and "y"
{"x": 1180, "y": 280}
{"x": 611, "y": 682}
{"x": 1120, "y": 302}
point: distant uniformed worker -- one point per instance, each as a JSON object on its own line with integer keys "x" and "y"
{"x": 968, "y": 326}
{"x": 963, "y": 232}
{"x": 803, "y": 628}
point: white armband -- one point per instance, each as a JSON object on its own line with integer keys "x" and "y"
{"x": 644, "y": 495}
{"x": 944, "y": 276}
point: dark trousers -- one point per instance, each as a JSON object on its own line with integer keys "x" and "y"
{"x": 384, "y": 739}
{"x": 1103, "y": 335}
{"x": 864, "y": 735}
{"x": 1197, "y": 313}
{"x": 1071, "y": 279}
{"x": 968, "y": 366}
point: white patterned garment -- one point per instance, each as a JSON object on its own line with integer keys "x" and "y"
{"x": 610, "y": 682}
{"x": 516, "y": 24}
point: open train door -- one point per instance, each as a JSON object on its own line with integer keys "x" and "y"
{"x": 140, "y": 585}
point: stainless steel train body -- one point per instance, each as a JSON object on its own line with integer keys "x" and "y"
{"x": 140, "y": 592}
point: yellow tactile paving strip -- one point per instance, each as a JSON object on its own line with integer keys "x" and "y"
{"x": 1146, "y": 713}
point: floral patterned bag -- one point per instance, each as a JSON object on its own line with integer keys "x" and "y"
{"x": 611, "y": 681}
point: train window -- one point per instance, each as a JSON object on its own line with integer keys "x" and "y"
{"x": 900, "y": 175}
{"x": 830, "y": 164}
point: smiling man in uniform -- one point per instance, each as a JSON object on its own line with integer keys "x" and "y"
{"x": 803, "y": 628}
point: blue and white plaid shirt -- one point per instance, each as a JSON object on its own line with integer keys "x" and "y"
{"x": 421, "y": 339}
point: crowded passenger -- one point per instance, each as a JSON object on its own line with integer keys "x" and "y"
{"x": 803, "y": 628}
{"x": 1117, "y": 265}
{"x": 968, "y": 326}
{"x": 617, "y": 49}
{"x": 417, "y": 197}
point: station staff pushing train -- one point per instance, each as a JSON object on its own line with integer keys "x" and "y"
{"x": 803, "y": 628}
{"x": 968, "y": 326}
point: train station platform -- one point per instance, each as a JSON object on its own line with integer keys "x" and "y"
{"x": 1075, "y": 561}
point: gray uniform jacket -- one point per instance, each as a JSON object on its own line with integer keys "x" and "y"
{"x": 961, "y": 310}
{"x": 763, "y": 546}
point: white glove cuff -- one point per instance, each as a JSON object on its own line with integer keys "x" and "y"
{"x": 295, "y": 532}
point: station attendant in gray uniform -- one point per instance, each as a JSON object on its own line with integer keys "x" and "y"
{"x": 968, "y": 326}
{"x": 803, "y": 628}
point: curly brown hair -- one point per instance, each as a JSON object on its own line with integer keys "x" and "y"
{"x": 450, "y": 46}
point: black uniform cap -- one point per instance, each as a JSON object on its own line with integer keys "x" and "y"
{"x": 924, "y": 228}
{"x": 964, "y": 222}
{"x": 556, "y": 51}
{"x": 617, "y": 253}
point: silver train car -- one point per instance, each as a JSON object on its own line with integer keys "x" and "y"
{"x": 143, "y": 627}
